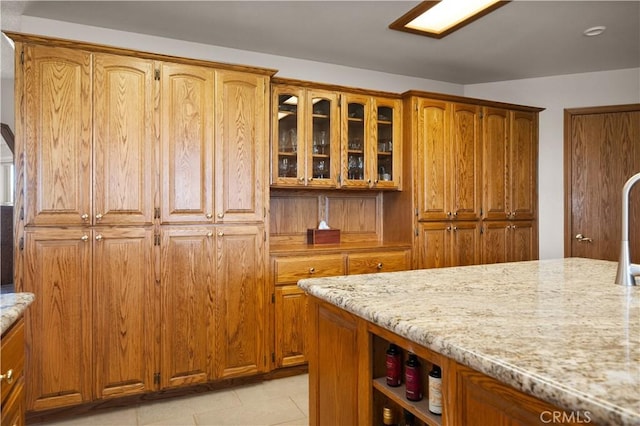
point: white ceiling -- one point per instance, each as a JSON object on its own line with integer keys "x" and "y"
{"x": 519, "y": 40}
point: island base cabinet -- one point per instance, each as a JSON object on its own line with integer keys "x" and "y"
{"x": 347, "y": 381}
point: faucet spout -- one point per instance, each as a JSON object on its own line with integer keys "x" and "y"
{"x": 627, "y": 271}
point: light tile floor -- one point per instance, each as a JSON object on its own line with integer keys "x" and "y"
{"x": 274, "y": 402}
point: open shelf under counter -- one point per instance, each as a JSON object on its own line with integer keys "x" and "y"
{"x": 420, "y": 409}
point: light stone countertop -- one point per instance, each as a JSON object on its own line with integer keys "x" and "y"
{"x": 12, "y": 305}
{"x": 560, "y": 330}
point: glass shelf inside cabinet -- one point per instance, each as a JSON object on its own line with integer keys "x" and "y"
{"x": 287, "y": 135}
{"x": 321, "y": 135}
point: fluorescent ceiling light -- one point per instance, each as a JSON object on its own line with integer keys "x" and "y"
{"x": 439, "y": 18}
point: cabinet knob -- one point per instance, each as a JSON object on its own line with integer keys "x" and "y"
{"x": 209, "y": 215}
{"x": 99, "y": 216}
{"x": 209, "y": 234}
{"x": 379, "y": 265}
{"x": 84, "y": 217}
{"x": 312, "y": 270}
{"x": 85, "y": 238}
{"x": 310, "y": 179}
{"x": 301, "y": 179}
{"x": 455, "y": 228}
{"x": 449, "y": 214}
{"x": 220, "y": 234}
{"x": 448, "y": 228}
{"x": 8, "y": 376}
{"x": 99, "y": 237}
{"x": 455, "y": 214}
{"x": 220, "y": 215}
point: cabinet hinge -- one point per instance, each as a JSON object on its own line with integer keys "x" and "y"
{"x": 417, "y": 212}
{"x": 156, "y": 378}
{"x": 480, "y": 211}
{"x": 21, "y": 243}
{"x": 481, "y": 115}
{"x": 156, "y": 213}
{"x": 416, "y": 106}
{"x": 273, "y": 357}
{"x": 156, "y": 239}
{"x": 157, "y": 74}
{"x": 265, "y": 236}
{"x": 21, "y": 213}
{"x": 22, "y": 57}
{"x": 264, "y": 212}
{"x": 273, "y": 298}
{"x": 481, "y": 230}
{"x": 417, "y": 234}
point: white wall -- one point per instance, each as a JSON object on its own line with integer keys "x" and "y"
{"x": 555, "y": 94}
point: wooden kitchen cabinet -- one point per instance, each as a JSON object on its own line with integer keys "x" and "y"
{"x": 124, "y": 331}
{"x": 241, "y": 304}
{"x": 187, "y": 137}
{"x": 443, "y": 244}
{"x": 290, "y": 306}
{"x": 88, "y": 166}
{"x": 188, "y": 329}
{"x": 12, "y": 381}
{"x": 58, "y": 326}
{"x": 371, "y": 142}
{"x": 508, "y": 241}
{"x": 382, "y": 261}
{"x": 449, "y": 155}
{"x": 306, "y": 137}
{"x": 510, "y": 164}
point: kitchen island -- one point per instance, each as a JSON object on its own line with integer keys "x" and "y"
{"x": 553, "y": 341}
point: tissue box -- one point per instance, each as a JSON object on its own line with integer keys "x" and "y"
{"x": 323, "y": 236}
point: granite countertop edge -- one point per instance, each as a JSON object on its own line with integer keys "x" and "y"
{"x": 565, "y": 397}
{"x": 12, "y": 306}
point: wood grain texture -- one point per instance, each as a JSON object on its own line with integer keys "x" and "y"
{"x": 495, "y": 162}
{"x": 240, "y": 302}
{"x": 241, "y": 163}
{"x": 291, "y": 127}
{"x": 523, "y": 170}
{"x": 57, "y": 135}
{"x": 360, "y": 131}
{"x": 19, "y": 168}
{"x": 384, "y": 261}
{"x": 290, "y": 325}
{"x": 355, "y": 215}
{"x": 187, "y": 144}
{"x": 293, "y": 214}
{"x": 602, "y": 154}
{"x": 315, "y": 125}
{"x": 187, "y": 305}
{"x": 443, "y": 244}
{"x": 466, "y": 161}
{"x": 59, "y": 349}
{"x": 124, "y": 335}
{"x": 123, "y": 140}
{"x": 292, "y": 269}
{"x": 12, "y": 358}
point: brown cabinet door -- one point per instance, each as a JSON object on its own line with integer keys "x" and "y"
{"x": 187, "y": 144}
{"x": 322, "y": 147}
{"x": 241, "y": 132}
{"x": 123, "y": 141}
{"x": 524, "y": 241}
{"x": 290, "y": 325}
{"x": 387, "y": 144}
{"x": 357, "y": 141}
{"x": 124, "y": 327}
{"x": 58, "y": 324}
{"x": 465, "y": 243}
{"x": 288, "y": 149}
{"x": 57, "y": 136}
{"x": 433, "y": 154}
{"x": 466, "y": 156}
{"x": 495, "y": 160}
{"x": 523, "y": 156}
{"x": 434, "y": 245}
{"x": 187, "y": 305}
{"x": 241, "y": 318}
{"x": 495, "y": 242}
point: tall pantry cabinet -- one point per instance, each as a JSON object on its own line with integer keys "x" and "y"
{"x": 141, "y": 197}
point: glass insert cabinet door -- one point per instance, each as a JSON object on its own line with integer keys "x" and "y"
{"x": 387, "y": 145}
{"x": 305, "y": 141}
{"x": 358, "y": 133}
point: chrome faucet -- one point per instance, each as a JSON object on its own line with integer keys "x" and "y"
{"x": 627, "y": 271}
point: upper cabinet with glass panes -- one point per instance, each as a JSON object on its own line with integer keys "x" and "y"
{"x": 305, "y": 137}
{"x": 325, "y": 139}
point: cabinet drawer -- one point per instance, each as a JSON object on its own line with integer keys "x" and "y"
{"x": 12, "y": 357}
{"x": 290, "y": 270}
{"x": 367, "y": 263}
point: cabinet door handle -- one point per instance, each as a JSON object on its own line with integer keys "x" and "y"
{"x": 310, "y": 179}
{"x": 379, "y": 266}
{"x": 209, "y": 234}
{"x": 8, "y": 376}
{"x": 312, "y": 270}
{"x": 85, "y": 238}
{"x": 455, "y": 228}
{"x": 209, "y": 215}
{"x": 220, "y": 215}
{"x": 99, "y": 237}
{"x": 301, "y": 179}
{"x": 449, "y": 214}
{"x": 221, "y": 234}
{"x": 99, "y": 216}
{"x": 84, "y": 217}
{"x": 448, "y": 229}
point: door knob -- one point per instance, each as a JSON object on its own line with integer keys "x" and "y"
{"x": 582, "y": 239}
